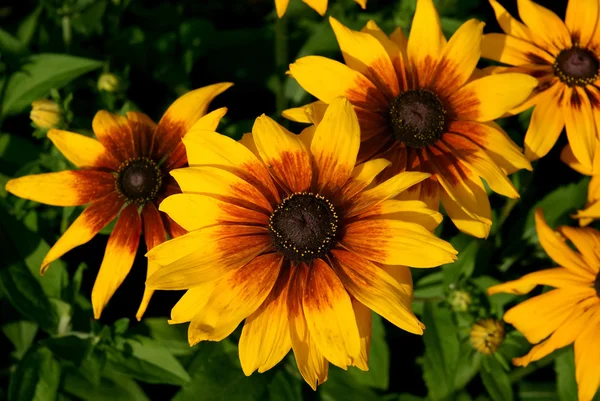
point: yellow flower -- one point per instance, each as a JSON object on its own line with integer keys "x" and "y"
{"x": 487, "y": 335}
{"x": 564, "y": 57}
{"x": 124, "y": 173}
{"x": 319, "y": 6}
{"x": 108, "y": 82}
{"x": 570, "y": 313}
{"x": 45, "y": 113}
{"x": 288, "y": 234}
{"x": 421, "y": 106}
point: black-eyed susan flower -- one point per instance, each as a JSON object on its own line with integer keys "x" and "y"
{"x": 286, "y": 232}
{"x": 319, "y": 6}
{"x": 564, "y": 57}
{"x": 123, "y": 173}
{"x": 570, "y": 313}
{"x": 420, "y": 106}
{"x": 486, "y": 335}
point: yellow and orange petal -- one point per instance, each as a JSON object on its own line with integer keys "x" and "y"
{"x": 319, "y": 6}
{"x": 315, "y": 300}
{"x": 463, "y": 149}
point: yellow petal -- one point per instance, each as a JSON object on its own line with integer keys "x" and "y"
{"x": 297, "y": 114}
{"x": 546, "y": 25}
{"x": 557, "y": 277}
{"x": 362, "y": 176}
{"x": 567, "y": 157}
{"x": 206, "y": 254}
{"x": 580, "y": 126}
{"x": 81, "y": 150}
{"x": 547, "y": 122}
{"x": 394, "y": 242}
{"x": 376, "y": 289}
{"x": 364, "y": 322}
{"x": 284, "y": 153}
{"x": 459, "y": 58}
{"x": 361, "y": 3}
{"x": 556, "y": 247}
{"x": 587, "y": 242}
{"x": 327, "y": 79}
{"x": 329, "y": 316}
{"x": 513, "y": 51}
{"x": 281, "y": 6}
{"x": 114, "y": 132}
{"x": 478, "y": 161}
{"x": 192, "y": 302}
{"x": 495, "y": 142}
{"x": 311, "y": 363}
{"x": 265, "y": 338}
{"x": 510, "y": 25}
{"x": 425, "y": 42}
{"x": 66, "y": 188}
{"x": 396, "y": 54}
{"x": 581, "y": 19}
{"x": 386, "y": 190}
{"x": 411, "y": 211}
{"x": 193, "y": 211}
{"x": 235, "y": 297}
{"x": 319, "y": 6}
{"x": 539, "y": 316}
{"x": 118, "y": 258}
{"x": 210, "y": 121}
{"x": 215, "y": 181}
{"x": 93, "y": 219}
{"x": 564, "y": 335}
{"x": 364, "y": 53}
{"x": 182, "y": 115}
{"x": 488, "y": 98}
{"x": 475, "y": 224}
{"x": 335, "y": 146}
{"x": 587, "y": 352}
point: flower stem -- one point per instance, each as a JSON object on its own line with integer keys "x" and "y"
{"x": 281, "y": 62}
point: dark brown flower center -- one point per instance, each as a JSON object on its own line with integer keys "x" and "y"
{"x": 138, "y": 180}
{"x": 417, "y": 118}
{"x": 597, "y": 285}
{"x": 576, "y": 66}
{"x": 303, "y": 227}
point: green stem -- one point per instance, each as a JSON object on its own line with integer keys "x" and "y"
{"x": 517, "y": 374}
{"x": 281, "y": 62}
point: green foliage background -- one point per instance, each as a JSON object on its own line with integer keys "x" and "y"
{"x": 52, "y": 349}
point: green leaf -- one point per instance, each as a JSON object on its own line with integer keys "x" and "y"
{"x": 441, "y": 351}
{"x": 40, "y": 73}
{"x": 464, "y": 266}
{"x": 217, "y": 376}
{"x": 113, "y": 387}
{"x": 28, "y": 26}
{"x": 285, "y": 388}
{"x": 565, "y": 376}
{"x": 537, "y": 391}
{"x": 26, "y": 295}
{"x": 342, "y": 386}
{"x": 21, "y": 335}
{"x": 36, "y": 379}
{"x": 496, "y": 380}
{"x": 468, "y": 365}
{"x": 10, "y": 45}
{"x": 171, "y": 336}
{"x": 74, "y": 348}
{"x": 379, "y": 359}
{"x": 146, "y": 360}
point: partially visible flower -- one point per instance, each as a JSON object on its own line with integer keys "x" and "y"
{"x": 108, "y": 82}
{"x": 591, "y": 211}
{"x": 459, "y": 300}
{"x": 124, "y": 173}
{"x": 422, "y": 105}
{"x": 45, "y": 113}
{"x": 487, "y": 335}
{"x": 319, "y": 6}
{"x": 288, "y": 234}
{"x": 565, "y": 58}
{"x": 570, "y": 313}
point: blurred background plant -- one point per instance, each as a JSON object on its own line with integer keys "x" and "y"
{"x": 62, "y": 60}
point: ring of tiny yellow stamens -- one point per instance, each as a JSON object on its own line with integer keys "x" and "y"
{"x": 303, "y": 227}
{"x": 577, "y": 66}
{"x": 417, "y": 118}
{"x": 138, "y": 180}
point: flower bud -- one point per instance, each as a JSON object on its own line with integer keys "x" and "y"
{"x": 459, "y": 300}
{"x": 108, "y": 82}
{"x": 45, "y": 113}
{"x": 486, "y": 335}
